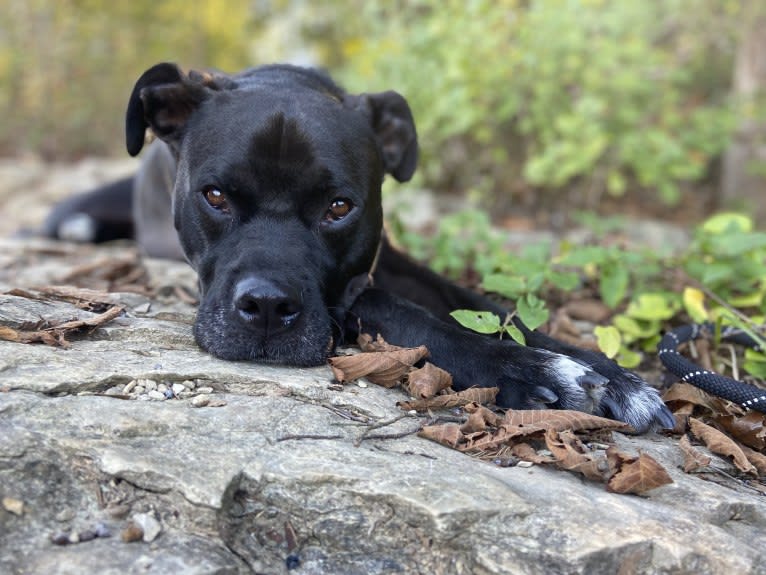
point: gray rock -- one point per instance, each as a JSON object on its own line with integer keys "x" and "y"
{"x": 277, "y": 476}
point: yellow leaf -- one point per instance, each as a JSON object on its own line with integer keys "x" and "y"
{"x": 694, "y": 302}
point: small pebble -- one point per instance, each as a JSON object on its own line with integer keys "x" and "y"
{"x": 150, "y": 384}
{"x": 178, "y": 388}
{"x": 525, "y": 464}
{"x": 60, "y": 538}
{"x": 130, "y": 386}
{"x": 149, "y": 525}
{"x": 361, "y": 383}
{"x": 154, "y": 394}
{"x": 87, "y": 535}
{"x": 13, "y": 505}
{"x": 115, "y": 390}
{"x": 189, "y": 384}
{"x": 118, "y": 511}
{"x": 200, "y": 400}
{"x": 132, "y": 533}
{"x": 139, "y": 389}
{"x": 292, "y": 561}
{"x": 162, "y": 387}
{"x": 102, "y": 531}
{"x": 74, "y": 537}
{"x": 205, "y": 389}
{"x": 65, "y": 515}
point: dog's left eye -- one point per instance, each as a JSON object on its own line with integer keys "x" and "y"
{"x": 215, "y": 198}
{"x": 339, "y": 209}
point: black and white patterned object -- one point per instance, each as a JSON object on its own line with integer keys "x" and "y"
{"x": 744, "y": 394}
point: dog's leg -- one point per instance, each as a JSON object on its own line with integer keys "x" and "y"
{"x": 101, "y": 215}
{"x": 566, "y": 370}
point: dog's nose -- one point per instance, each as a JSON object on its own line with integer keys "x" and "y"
{"x": 266, "y": 306}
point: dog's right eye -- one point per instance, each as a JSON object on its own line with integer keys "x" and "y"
{"x": 215, "y": 198}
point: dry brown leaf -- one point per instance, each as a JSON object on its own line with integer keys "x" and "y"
{"x": 638, "y": 475}
{"x": 34, "y": 336}
{"x": 558, "y": 419}
{"x": 591, "y": 310}
{"x": 491, "y": 440}
{"x": 528, "y": 453}
{"x": 56, "y": 335}
{"x": 81, "y": 297}
{"x": 382, "y": 368}
{"x": 367, "y": 344}
{"x": 757, "y": 459}
{"x": 479, "y": 418}
{"x": 694, "y": 459}
{"x": 570, "y": 454}
{"x": 447, "y": 434}
{"x": 680, "y": 393}
{"x": 718, "y": 442}
{"x": 748, "y": 429}
{"x": 492, "y": 418}
{"x": 459, "y": 399}
{"x": 427, "y": 381}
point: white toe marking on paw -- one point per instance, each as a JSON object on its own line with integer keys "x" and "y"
{"x": 78, "y": 227}
{"x": 566, "y": 369}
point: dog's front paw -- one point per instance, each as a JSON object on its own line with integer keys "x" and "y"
{"x": 624, "y": 395}
{"x": 630, "y": 399}
{"x": 592, "y": 384}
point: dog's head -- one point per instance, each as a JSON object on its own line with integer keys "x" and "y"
{"x": 277, "y": 197}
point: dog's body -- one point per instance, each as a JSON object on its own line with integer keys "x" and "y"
{"x": 275, "y": 176}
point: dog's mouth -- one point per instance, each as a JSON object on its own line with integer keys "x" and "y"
{"x": 304, "y": 339}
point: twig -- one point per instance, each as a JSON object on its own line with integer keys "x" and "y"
{"x": 293, "y": 436}
{"x": 378, "y": 425}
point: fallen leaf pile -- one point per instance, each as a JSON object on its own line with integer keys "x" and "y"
{"x": 390, "y": 365}
{"x": 723, "y": 427}
{"x": 554, "y": 437}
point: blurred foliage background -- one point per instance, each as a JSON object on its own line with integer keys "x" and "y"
{"x": 517, "y": 102}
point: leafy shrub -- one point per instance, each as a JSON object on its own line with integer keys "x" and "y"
{"x": 604, "y": 94}
{"x": 725, "y": 282}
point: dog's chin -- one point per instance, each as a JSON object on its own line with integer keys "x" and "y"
{"x": 306, "y": 345}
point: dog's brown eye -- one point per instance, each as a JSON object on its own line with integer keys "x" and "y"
{"x": 339, "y": 209}
{"x": 215, "y": 198}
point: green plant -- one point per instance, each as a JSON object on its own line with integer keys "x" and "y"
{"x": 725, "y": 284}
{"x": 600, "y": 94}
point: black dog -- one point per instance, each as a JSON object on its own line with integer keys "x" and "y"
{"x": 275, "y": 179}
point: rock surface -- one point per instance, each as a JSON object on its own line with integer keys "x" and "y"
{"x": 279, "y": 470}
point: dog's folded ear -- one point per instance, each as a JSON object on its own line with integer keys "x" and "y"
{"x": 163, "y": 99}
{"x": 394, "y": 127}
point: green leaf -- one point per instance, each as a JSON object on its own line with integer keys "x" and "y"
{"x": 614, "y": 283}
{"x": 637, "y": 329}
{"x": 585, "y": 255}
{"x": 479, "y": 321}
{"x": 516, "y": 334}
{"x": 652, "y": 306}
{"x": 506, "y": 285}
{"x": 755, "y": 368}
{"x": 628, "y": 358}
{"x": 566, "y": 281}
{"x": 532, "y": 311}
{"x": 609, "y": 339}
{"x": 727, "y": 222}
